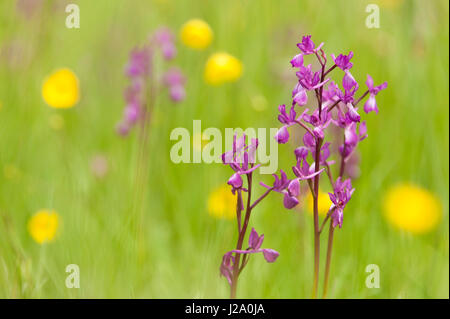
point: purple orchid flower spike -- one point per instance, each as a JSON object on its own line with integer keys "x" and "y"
{"x": 309, "y": 141}
{"x": 324, "y": 154}
{"x": 270, "y": 255}
{"x": 330, "y": 94}
{"x": 283, "y": 186}
{"x": 254, "y": 246}
{"x": 282, "y": 135}
{"x": 241, "y": 160}
{"x": 290, "y": 200}
{"x": 344, "y": 120}
{"x": 307, "y": 46}
{"x": 235, "y": 155}
{"x": 226, "y": 267}
{"x": 342, "y": 193}
{"x": 279, "y": 184}
{"x": 320, "y": 122}
{"x": 352, "y": 113}
{"x": 299, "y": 95}
{"x": 284, "y": 118}
{"x": 297, "y": 61}
{"x": 343, "y": 61}
{"x": 304, "y": 171}
{"x": 347, "y": 97}
{"x": 352, "y": 138}
{"x": 254, "y": 240}
{"x": 301, "y": 152}
{"x": 350, "y": 87}
{"x": 235, "y": 181}
{"x": 334, "y": 105}
{"x": 371, "y": 103}
{"x": 308, "y": 79}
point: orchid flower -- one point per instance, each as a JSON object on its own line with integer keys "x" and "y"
{"x": 336, "y": 106}
{"x": 371, "y": 103}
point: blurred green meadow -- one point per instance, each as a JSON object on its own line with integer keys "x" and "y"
{"x": 173, "y": 248}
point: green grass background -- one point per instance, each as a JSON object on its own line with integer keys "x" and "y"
{"x": 178, "y": 252}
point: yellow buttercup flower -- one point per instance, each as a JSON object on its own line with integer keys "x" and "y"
{"x": 412, "y": 208}
{"x": 323, "y": 201}
{"x": 196, "y": 34}
{"x": 43, "y": 226}
{"x": 222, "y": 203}
{"x": 61, "y": 89}
{"x": 221, "y": 68}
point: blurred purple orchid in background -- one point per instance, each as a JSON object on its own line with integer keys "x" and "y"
{"x": 164, "y": 38}
{"x": 145, "y": 84}
{"x": 175, "y": 81}
{"x": 139, "y": 95}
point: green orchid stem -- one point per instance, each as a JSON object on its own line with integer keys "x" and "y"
{"x": 331, "y": 234}
{"x": 236, "y": 267}
{"x": 316, "y": 221}
{"x": 327, "y": 266}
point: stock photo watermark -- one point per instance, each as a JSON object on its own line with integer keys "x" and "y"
{"x": 373, "y": 279}
{"x": 73, "y": 17}
{"x": 183, "y": 151}
{"x": 373, "y": 19}
{"x": 73, "y": 279}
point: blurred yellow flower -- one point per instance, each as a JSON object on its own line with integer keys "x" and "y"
{"x": 222, "y": 203}
{"x": 221, "y": 68}
{"x": 61, "y": 89}
{"x": 412, "y": 208}
{"x": 43, "y": 226}
{"x": 56, "y": 122}
{"x": 323, "y": 201}
{"x": 196, "y": 34}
